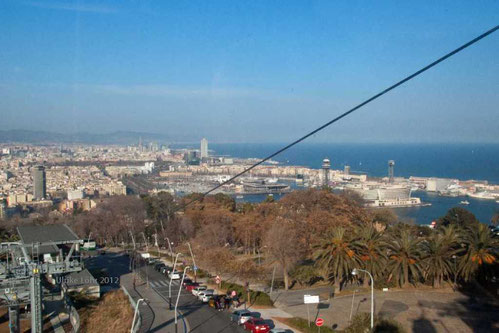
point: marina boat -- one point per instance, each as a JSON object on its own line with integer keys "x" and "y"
{"x": 464, "y": 202}
{"x": 239, "y": 196}
{"x": 481, "y": 195}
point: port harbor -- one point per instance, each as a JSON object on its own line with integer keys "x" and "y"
{"x": 77, "y": 172}
{"x": 199, "y": 174}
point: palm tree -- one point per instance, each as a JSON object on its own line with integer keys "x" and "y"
{"x": 404, "y": 256}
{"x": 371, "y": 251}
{"x": 439, "y": 250}
{"x": 480, "y": 250}
{"x": 336, "y": 256}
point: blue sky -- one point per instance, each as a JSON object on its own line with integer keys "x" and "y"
{"x": 250, "y": 71}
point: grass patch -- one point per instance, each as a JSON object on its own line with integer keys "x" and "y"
{"x": 256, "y": 297}
{"x": 112, "y": 313}
{"x": 361, "y": 323}
{"x": 302, "y": 325}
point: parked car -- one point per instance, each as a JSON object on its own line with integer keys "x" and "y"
{"x": 159, "y": 266}
{"x": 186, "y": 282}
{"x": 237, "y": 316}
{"x": 207, "y": 297}
{"x": 191, "y": 286}
{"x": 280, "y": 330}
{"x": 201, "y": 294}
{"x": 152, "y": 261}
{"x": 165, "y": 270}
{"x": 198, "y": 289}
{"x": 174, "y": 275}
{"x": 256, "y": 325}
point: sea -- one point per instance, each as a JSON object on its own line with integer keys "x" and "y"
{"x": 456, "y": 161}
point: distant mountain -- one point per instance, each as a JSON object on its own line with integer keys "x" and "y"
{"x": 44, "y": 137}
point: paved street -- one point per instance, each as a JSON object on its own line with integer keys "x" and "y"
{"x": 156, "y": 316}
{"x": 417, "y": 310}
{"x": 200, "y": 318}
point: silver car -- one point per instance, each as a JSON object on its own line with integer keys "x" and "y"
{"x": 197, "y": 290}
{"x": 236, "y": 315}
{"x": 242, "y": 316}
{"x": 207, "y": 292}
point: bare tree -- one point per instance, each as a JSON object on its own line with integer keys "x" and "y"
{"x": 282, "y": 244}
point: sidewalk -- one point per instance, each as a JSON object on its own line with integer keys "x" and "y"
{"x": 156, "y": 316}
{"x": 273, "y": 313}
{"x": 57, "y": 313}
{"x": 418, "y": 310}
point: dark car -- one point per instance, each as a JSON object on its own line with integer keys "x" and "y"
{"x": 158, "y": 266}
{"x": 165, "y": 270}
{"x": 186, "y": 282}
{"x": 191, "y": 286}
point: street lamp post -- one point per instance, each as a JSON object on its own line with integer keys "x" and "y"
{"x": 171, "y": 279}
{"x": 170, "y": 247}
{"x": 135, "y": 313}
{"x": 356, "y": 272}
{"x": 193, "y": 263}
{"x": 145, "y": 240}
{"x": 178, "y": 296}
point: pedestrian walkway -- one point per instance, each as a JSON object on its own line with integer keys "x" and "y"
{"x": 418, "y": 310}
{"x": 156, "y": 315}
{"x": 273, "y": 313}
{"x": 56, "y": 312}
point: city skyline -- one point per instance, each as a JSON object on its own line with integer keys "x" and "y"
{"x": 248, "y": 73}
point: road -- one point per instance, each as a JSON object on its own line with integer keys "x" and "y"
{"x": 200, "y": 317}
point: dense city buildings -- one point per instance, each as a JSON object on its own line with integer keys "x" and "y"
{"x": 76, "y": 174}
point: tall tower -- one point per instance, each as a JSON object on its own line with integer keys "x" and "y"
{"x": 204, "y": 148}
{"x": 3, "y": 208}
{"x": 326, "y": 165}
{"x": 39, "y": 183}
{"x": 391, "y": 165}
{"x": 346, "y": 170}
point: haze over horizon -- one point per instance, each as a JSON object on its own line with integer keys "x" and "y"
{"x": 249, "y": 72}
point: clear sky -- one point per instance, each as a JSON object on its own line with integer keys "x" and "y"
{"x": 250, "y": 71}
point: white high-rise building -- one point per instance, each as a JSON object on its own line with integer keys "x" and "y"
{"x": 204, "y": 148}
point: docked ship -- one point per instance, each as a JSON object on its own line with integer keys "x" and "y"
{"x": 259, "y": 186}
{"x": 482, "y": 195}
{"x": 389, "y": 196}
